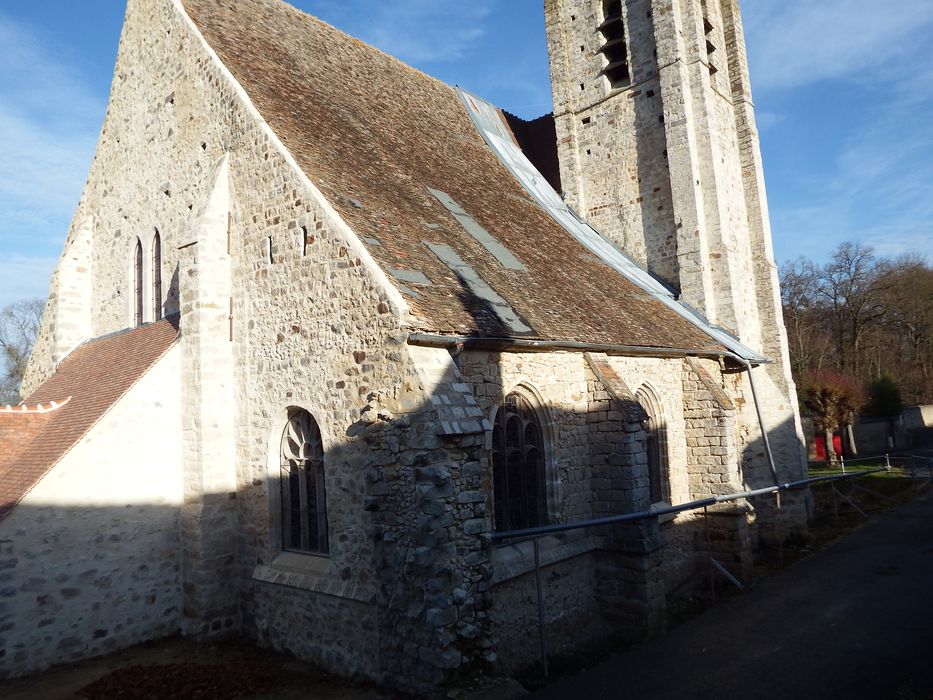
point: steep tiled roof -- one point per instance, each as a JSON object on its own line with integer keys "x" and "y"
{"x": 374, "y": 134}
{"x": 94, "y": 376}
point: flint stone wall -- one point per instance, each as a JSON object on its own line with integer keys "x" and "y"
{"x": 89, "y": 560}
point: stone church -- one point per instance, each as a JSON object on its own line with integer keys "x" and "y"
{"x": 322, "y": 325}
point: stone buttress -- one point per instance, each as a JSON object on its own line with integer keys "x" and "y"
{"x": 208, "y": 516}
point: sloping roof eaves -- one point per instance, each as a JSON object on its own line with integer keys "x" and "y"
{"x": 373, "y": 135}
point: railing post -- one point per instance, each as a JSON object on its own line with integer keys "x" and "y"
{"x": 540, "y": 590}
{"x": 709, "y": 553}
{"x": 780, "y": 519}
{"x": 842, "y": 461}
{"x": 887, "y": 461}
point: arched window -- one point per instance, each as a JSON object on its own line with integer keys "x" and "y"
{"x": 156, "y": 277}
{"x": 138, "y": 284}
{"x": 304, "y": 506}
{"x": 614, "y": 47}
{"x": 656, "y": 429}
{"x": 518, "y": 473}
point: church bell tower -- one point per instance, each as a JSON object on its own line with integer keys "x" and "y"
{"x": 659, "y": 151}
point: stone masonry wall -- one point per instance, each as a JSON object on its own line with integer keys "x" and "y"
{"x": 611, "y": 142}
{"x": 591, "y": 577}
{"x": 89, "y": 560}
{"x": 713, "y": 461}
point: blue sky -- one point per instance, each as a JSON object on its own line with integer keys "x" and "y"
{"x": 844, "y": 90}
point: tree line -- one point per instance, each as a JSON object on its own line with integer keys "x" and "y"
{"x": 860, "y": 332}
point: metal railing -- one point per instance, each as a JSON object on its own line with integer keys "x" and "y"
{"x": 535, "y": 533}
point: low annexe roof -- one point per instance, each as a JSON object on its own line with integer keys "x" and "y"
{"x": 397, "y": 155}
{"x": 87, "y": 383}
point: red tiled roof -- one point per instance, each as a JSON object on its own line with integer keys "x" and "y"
{"x": 374, "y": 134}
{"x": 95, "y": 376}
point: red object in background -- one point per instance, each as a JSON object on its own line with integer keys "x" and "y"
{"x": 819, "y": 443}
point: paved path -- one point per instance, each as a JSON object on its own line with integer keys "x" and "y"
{"x": 855, "y": 621}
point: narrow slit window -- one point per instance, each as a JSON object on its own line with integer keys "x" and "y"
{"x": 304, "y": 241}
{"x": 138, "y": 284}
{"x": 614, "y": 48}
{"x": 269, "y": 258}
{"x": 157, "y": 277}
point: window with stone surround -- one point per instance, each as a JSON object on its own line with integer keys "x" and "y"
{"x": 138, "y": 284}
{"x": 614, "y": 48}
{"x": 156, "y": 277}
{"x": 518, "y": 466}
{"x": 304, "y": 505}
{"x": 656, "y": 445}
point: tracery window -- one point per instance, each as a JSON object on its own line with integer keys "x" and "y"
{"x": 656, "y": 445}
{"x": 519, "y": 498}
{"x": 614, "y": 47}
{"x": 138, "y": 284}
{"x": 156, "y": 277}
{"x": 304, "y": 506}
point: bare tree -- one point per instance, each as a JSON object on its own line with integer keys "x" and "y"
{"x": 851, "y": 288}
{"x": 862, "y": 317}
{"x": 804, "y": 316}
{"x": 19, "y": 324}
{"x": 908, "y": 325}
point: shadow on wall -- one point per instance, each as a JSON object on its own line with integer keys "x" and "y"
{"x": 411, "y": 594}
{"x": 172, "y": 298}
{"x": 82, "y": 581}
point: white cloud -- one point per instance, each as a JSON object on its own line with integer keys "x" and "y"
{"x": 797, "y": 42}
{"x": 767, "y": 120}
{"x": 49, "y": 120}
{"x": 24, "y": 277}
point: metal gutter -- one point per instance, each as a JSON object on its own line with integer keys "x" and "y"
{"x": 435, "y": 340}
{"x": 486, "y": 118}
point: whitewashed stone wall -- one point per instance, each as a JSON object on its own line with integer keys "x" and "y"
{"x": 89, "y": 560}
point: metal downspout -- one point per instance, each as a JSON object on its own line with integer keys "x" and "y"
{"x": 761, "y": 420}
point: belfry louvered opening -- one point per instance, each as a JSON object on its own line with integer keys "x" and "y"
{"x": 710, "y": 47}
{"x": 614, "y": 47}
